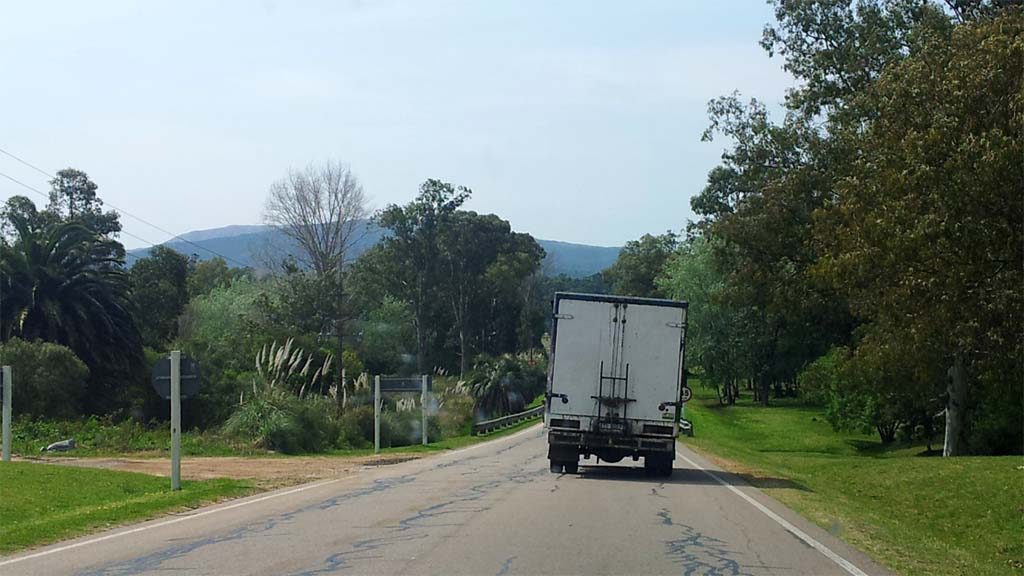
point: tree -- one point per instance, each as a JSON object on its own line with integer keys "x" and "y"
{"x": 839, "y": 47}
{"x": 482, "y": 261}
{"x": 322, "y": 209}
{"x": 407, "y": 262}
{"x": 160, "y": 288}
{"x": 73, "y": 199}
{"x": 926, "y": 234}
{"x": 205, "y": 275}
{"x": 51, "y": 379}
{"x": 504, "y": 384}
{"x": 639, "y": 263}
{"x": 463, "y": 276}
{"x": 717, "y": 335}
{"x": 64, "y": 284}
{"x": 387, "y": 334}
{"x": 21, "y": 208}
{"x": 222, "y": 330}
{"x": 758, "y": 209}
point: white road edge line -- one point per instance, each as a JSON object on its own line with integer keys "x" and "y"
{"x": 168, "y": 522}
{"x": 218, "y": 509}
{"x": 839, "y": 560}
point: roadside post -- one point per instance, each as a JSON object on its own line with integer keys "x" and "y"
{"x": 7, "y": 384}
{"x": 176, "y": 420}
{"x": 175, "y": 377}
{"x": 376, "y": 414}
{"x": 423, "y": 409}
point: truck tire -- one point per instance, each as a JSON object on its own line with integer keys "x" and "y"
{"x": 556, "y": 467}
{"x": 666, "y": 472}
{"x": 658, "y": 465}
{"x": 572, "y": 467}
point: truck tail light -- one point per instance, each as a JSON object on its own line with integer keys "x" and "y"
{"x": 564, "y": 423}
{"x": 657, "y": 429}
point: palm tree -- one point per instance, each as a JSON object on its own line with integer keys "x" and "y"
{"x": 63, "y": 283}
{"x": 493, "y": 384}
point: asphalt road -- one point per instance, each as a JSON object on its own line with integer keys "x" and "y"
{"x": 492, "y": 509}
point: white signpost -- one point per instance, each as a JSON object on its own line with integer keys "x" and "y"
{"x": 174, "y": 377}
{"x": 376, "y": 414}
{"x": 400, "y": 384}
{"x": 176, "y": 420}
{"x": 8, "y": 384}
{"x": 423, "y": 409}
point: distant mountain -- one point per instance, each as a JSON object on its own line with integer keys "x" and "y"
{"x": 576, "y": 260}
{"x": 250, "y": 245}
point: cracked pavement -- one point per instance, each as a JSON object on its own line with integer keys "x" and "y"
{"x": 490, "y": 509}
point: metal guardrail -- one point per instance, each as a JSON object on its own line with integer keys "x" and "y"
{"x": 506, "y": 421}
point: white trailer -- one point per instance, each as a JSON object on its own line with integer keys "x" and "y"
{"x": 616, "y": 382}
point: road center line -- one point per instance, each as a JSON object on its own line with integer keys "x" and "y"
{"x": 223, "y": 508}
{"x": 839, "y": 560}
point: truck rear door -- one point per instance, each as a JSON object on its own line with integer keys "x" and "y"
{"x": 653, "y": 350}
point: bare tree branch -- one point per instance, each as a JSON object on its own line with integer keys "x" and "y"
{"x": 322, "y": 209}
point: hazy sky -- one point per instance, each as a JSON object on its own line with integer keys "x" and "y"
{"x": 576, "y": 121}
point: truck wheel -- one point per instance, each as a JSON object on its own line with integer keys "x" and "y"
{"x": 556, "y": 467}
{"x": 657, "y": 465}
{"x": 650, "y": 469}
{"x": 572, "y": 467}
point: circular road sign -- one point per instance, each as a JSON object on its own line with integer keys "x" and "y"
{"x": 686, "y": 394}
{"x": 189, "y": 377}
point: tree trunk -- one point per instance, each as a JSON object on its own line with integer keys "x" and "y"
{"x": 462, "y": 351}
{"x": 343, "y": 392}
{"x": 339, "y": 326}
{"x": 765, "y": 386}
{"x": 421, "y": 348}
{"x": 956, "y": 408}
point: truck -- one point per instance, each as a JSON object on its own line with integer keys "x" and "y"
{"x": 616, "y": 380}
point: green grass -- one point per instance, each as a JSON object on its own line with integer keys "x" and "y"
{"x": 101, "y": 437}
{"x": 914, "y": 513}
{"x": 42, "y": 503}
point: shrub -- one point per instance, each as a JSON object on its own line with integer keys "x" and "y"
{"x": 355, "y": 428}
{"x": 265, "y": 420}
{"x": 506, "y": 384}
{"x": 49, "y": 379}
{"x": 277, "y": 420}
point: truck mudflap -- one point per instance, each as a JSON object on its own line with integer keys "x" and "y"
{"x": 589, "y": 442}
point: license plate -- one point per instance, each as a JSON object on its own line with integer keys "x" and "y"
{"x": 613, "y": 427}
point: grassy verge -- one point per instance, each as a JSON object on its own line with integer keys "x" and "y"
{"x": 41, "y": 503}
{"x": 916, "y": 514}
{"x": 100, "y": 437}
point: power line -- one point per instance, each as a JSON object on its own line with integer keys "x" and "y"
{"x": 122, "y": 211}
{"x": 44, "y": 195}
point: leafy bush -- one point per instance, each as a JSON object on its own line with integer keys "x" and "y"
{"x": 454, "y": 416}
{"x": 355, "y": 428}
{"x": 49, "y": 380}
{"x": 387, "y": 334}
{"x": 820, "y": 377}
{"x": 277, "y": 420}
{"x": 352, "y": 364}
{"x": 871, "y": 389}
{"x": 506, "y": 384}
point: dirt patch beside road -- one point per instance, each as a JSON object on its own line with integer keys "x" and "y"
{"x": 266, "y": 472}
